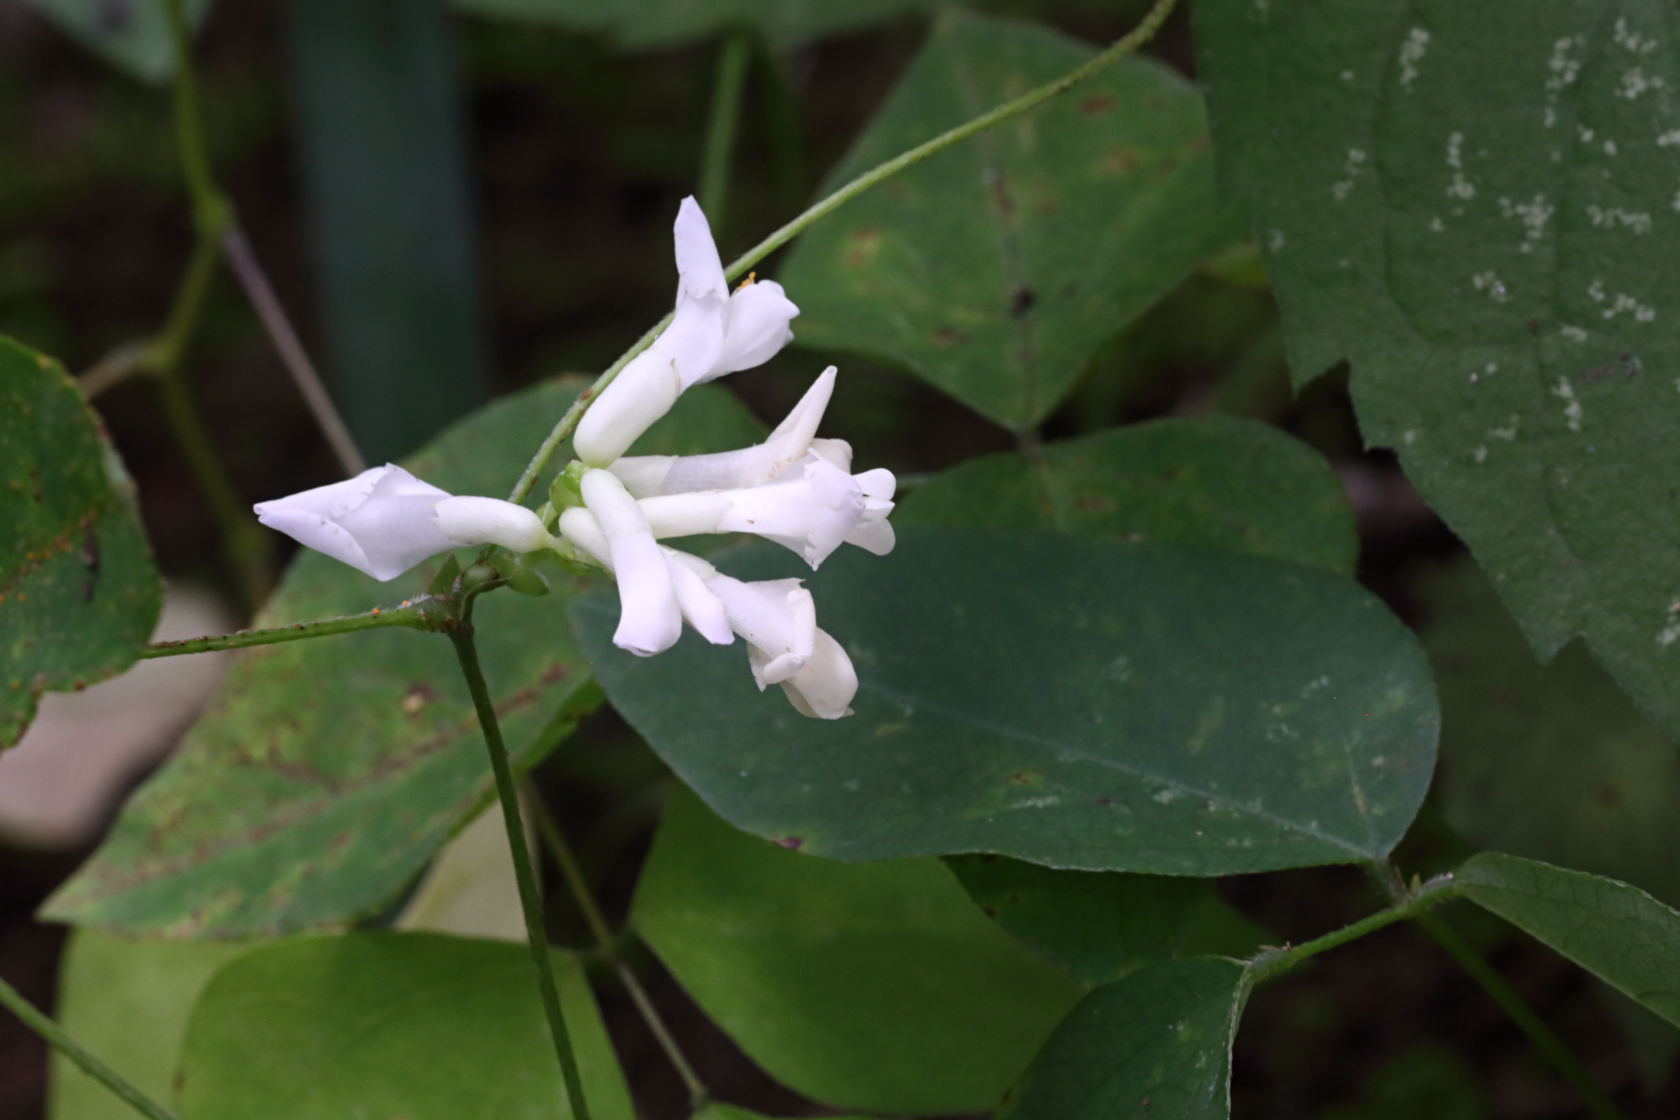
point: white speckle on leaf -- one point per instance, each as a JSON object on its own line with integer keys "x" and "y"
{"x": 1614, "y": 216}
{"x": 1491, "y": 367}
{"x": 1572, "y": 333}
{"x": 1459, "y": 186}
{"x": 1351, "y": 168}
{"x": 1507, "y": 433}
{"x": 1347, "y": 75}
{"x": 1035, "y": 802}
{"x": 1630, "y": 40}
{"x": 1166, "y": 796}
{"x": 1437, "y": 226}
{"x": 1595, "y": 291}
{"x": 1533, "y": 215}
{"x": 1489, "y": 283}
{"x": 1626, "y": 303}
{"x": 1274, "y": 240}
{"x": 1572, "y": 414}
{"x": 1480, "y": 454}
{"x": 1609, "y": 147}
{"x": 1586, "y": 134}
{"x": 1669, "y": 138}
{"x": 1635, "y": 82}
{"x": 1409, "y": 436}
{"x": 1564, "y": 68}
{"x": 1411, "y": 53}
{"x": 1317, "y": 684}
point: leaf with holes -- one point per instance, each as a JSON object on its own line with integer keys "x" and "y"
{"x": 327, "y": 772}
{"x": 1157, "y": 1043}
{"x": 1617, "y": 932}
{"x": 1233, "y": 485}
{"x": 994, "y": 269}
{"x": 1490, "y": 248}
{"x": 410, "y": 1025}
{"x": 1066, "y": 700}
{"x": 78, "y": 592}
{"x": 874, "y": 986}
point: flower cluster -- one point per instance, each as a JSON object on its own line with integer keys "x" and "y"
{"x": 794, "y": 489}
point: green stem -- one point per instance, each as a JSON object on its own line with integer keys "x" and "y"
{"x": 720, "y": 131}
{"x": 211, "y": 211}
{"x": 529, "y": 900}
{"x": 1013, "y": 108}
{"x": 608, "y": 949}
{"x": 55, "y": 1036}
{"x": 126, "y": 361}
{"x": 1551, "y": 1047}
{"x": 1273, "y": 963}
{"x": 412, "y": 615}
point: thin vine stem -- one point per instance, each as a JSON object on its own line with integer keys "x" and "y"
{"x": 609, "y": 948}
{"x": 1127, "y": 44}
{"x": 413, "y": 614}
{"x": 725, "y": 119}
{"x": 1550, "y": 1046}
{"x": 1272, "y": 963}
{"x": 530, "y": 901}
{"x": 59, "y": 1039}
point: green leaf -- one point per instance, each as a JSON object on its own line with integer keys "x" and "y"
{"x": 876, "y": 986}
{"x": 1234, "y": 485}
{"x": 417, "y": 1026}
{"x": 716, "y": 1111}
{"x": 1157, "y": 1043}
{"x": 1066, "y": 700}
{"x": 1490, "y": 248}
{"x": 1555, "y": 763}
{"x": 1617, "y": 932}
{"x": 994, "y": 269}
{"x": 1098, "y": 926}
{"x": 645, "y": 24}
{"x": 132, "y": 35}
{"x": 327, "y": 772}
{"x": 126, "y": 1001}
{"x": 78, "y": 593}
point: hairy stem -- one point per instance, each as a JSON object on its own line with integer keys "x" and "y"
{"x": 1273, "y": 963}
{"x": 56, "y": 1037}
{"x": 530, "y": 901}
{"x": 720, "y": 131}
{"x": 1126, "y": 45}
{"x": 609, "y": 948}
{"x": 412, "y": 614}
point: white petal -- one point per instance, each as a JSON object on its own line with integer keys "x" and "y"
{"x": 756, "y": 327}
{"x": 329, "y": 501}
{"x": 875, "y": 536}
{"x": 836, "y": 451}
{"x": 699, "y": 269}
{"x": 649, "y": 385}
{"x": 700, "y": 608}
{"x": 824, "y": 688}
{"x": 470, "y": 521}
{"x": 649, "y": 619}
{"x": 776, "y": 617}
{"x": 653, "y": 475}
{"x": 878, "y": 484}
{"x": 579, "y": 526}
{"x": 314, "y": 531}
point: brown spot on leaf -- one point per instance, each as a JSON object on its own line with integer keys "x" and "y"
{"x": 1021, "y": 302}
{"x": 1121, "y": 161}
{"x": 949, "y": 336}
{"x": 1096, "y": 103}
{"x": 1105, "y": 801}
{"x": 988, "y": 911}
{"x": 865, "y": 243}
{"x": 416, "y": 699}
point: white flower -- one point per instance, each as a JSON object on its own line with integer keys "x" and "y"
{"x": 384, "y": 521}
{"x": 650, "y": 617}
{"x": 648, "y": 475}
{"x": 811, "y": 508}
{"x": 778, "y": 620}
{"x": 712, "y": 333}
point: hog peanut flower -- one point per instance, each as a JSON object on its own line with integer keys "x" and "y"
{"x": 384, "y": 521}
{"x": 711, "y": 333}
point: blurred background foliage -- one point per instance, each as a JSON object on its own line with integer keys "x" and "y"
{"x": 455, "y": 203}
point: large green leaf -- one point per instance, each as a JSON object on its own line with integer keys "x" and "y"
{"x": 1100, "y": 926}
{"x": 1157, "y": 1043}
{"x": 418, "y": 1026}
{"x": 78, "y": 593}
{"x": 641, "y": 24}
{"x": 1490, "y": 247}
{"x": 132, "y": 35}
{"x": 327, "y": 772}
{"x": 1234, "y": 485}
{"x": 1067, "y": 700}
{"x": 995, "y": 269}
{"x": 128, "y": 1002}
{"x": 872, "y": 986}
{"x": 1554, "y": 763}
{"x": 1618, "y": 932}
